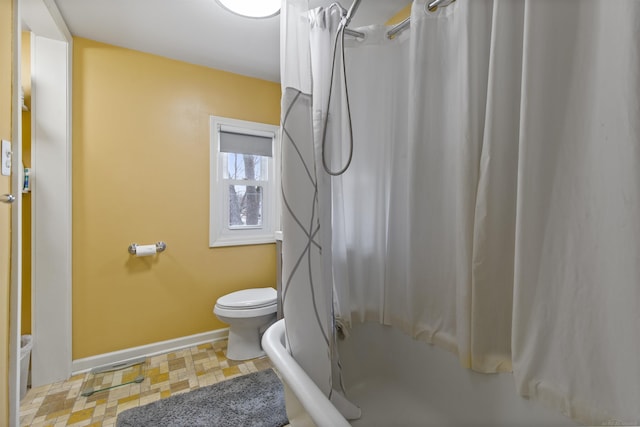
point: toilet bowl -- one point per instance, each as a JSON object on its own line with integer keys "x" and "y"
{"x": 248, "y": 313}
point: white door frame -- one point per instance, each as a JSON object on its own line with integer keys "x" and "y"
{"x": 15, "y": 308}
{"x": 51, "y": 49}
{"x": 51, "y": 65}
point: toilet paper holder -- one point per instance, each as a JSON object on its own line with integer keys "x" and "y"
{"x": 160, "y": 246}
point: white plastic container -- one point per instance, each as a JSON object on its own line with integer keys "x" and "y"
{"x": 26, "y": 344}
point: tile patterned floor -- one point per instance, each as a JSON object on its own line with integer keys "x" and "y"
{"x": 62, "y": 404}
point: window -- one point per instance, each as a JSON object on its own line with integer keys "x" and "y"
{"x": 244, "y": 199}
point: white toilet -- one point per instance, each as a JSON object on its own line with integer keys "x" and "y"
{"x": 249, "y": 313}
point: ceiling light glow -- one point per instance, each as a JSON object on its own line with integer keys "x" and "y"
{"x": 252, "y": 8}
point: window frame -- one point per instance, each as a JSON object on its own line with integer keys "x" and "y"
{"x": 220, "y": 233}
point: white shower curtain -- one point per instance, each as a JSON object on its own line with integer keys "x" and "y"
{"x": 493, "y": 203}
{"x": 576, "y": 330}
{"x": 413, "y": 253}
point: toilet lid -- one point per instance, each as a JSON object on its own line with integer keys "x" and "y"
{"x": 248, "y": 298}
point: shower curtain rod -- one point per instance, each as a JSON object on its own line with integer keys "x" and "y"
{"x": 400, "y": 27}
{"x": 354, "y": 33}
{"x": 390, "y": 34}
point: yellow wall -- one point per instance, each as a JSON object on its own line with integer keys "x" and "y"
{"x": 140, "y": 174}
{"x": 25, "y": 79}
{"x": 6, "y": 55}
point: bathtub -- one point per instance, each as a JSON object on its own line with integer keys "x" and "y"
{"x": 400, "y": 382}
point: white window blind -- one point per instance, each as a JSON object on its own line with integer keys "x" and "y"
{"x": 232, "y": 142}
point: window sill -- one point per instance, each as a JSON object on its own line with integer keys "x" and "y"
{"x": 242, "y": 241}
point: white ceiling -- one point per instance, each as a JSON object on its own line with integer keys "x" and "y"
{"x": 197, "y": 31}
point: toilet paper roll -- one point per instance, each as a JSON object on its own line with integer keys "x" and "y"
{"x": 145, "y": 250}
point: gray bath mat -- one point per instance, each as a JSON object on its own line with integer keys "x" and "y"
{"x": 253, "y": 400}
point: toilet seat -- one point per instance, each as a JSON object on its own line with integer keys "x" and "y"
{"x": 248, "y": 299}
{"x": 247, "y": 303}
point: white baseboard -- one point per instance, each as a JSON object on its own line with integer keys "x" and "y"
{"x": 80, "y": 366}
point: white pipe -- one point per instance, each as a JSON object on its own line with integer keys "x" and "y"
{"x": 314, "y": 401}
